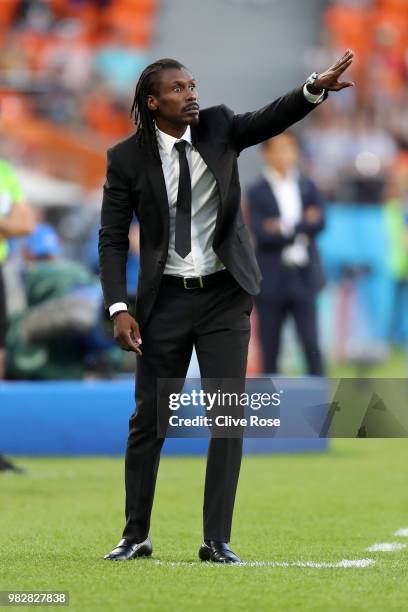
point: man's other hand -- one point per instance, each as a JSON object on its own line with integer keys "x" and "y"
{"x": 272, "y": 225}
{"x": 126, "y": 332}
{"x": 312, "y": 214}
{"x": 329, "y": 78}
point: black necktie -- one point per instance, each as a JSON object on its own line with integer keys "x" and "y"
{"x": 183, "y": 210}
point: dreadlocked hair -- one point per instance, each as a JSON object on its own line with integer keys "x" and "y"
{"x": 148, "y": 84}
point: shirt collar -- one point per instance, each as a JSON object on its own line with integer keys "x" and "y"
{"x": 275, "y": 178}
{"x": 166, "y": 142}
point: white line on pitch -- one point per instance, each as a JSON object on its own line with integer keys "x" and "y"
{"x": 403, "y": 532}
{"x": 386, "y": 547}
{"x": 345, "y": 563}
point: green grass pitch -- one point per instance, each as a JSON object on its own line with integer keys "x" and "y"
{"x": 57, "y": 521}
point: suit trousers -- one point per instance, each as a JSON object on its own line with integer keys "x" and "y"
{"x": 297, "y": 299}
{"x": 216, "y": 321}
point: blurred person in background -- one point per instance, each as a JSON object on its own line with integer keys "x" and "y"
{"x": 198, "y": 269}
{"x": 286, "y": 214}
{"x": 16, "y": 219}
{"x": 117, "y": 61}
{"x": 396, "y": 219}
{"x": 352, "y": 147}
{"x": 61, "y": 334}
{"x": 349, "y": 154}
{"x": 351, "y": 143}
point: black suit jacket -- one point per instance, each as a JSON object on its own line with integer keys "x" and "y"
{"x": 262, "y": 205}
{"x": 135, "y": 184}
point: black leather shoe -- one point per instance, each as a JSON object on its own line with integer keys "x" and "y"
{"x": 218, "y": 552}
{"x": 127, "y": 550}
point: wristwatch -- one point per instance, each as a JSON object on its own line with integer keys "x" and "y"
{"x": 310, "y": 84}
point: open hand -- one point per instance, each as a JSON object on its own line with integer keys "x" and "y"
{"x": 126, "y": 332}
{"x": 329, "y": 78}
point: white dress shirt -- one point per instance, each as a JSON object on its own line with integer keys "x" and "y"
{"x": 204, "y": 207}
{"x": 205, "y": 202}
{"x": 288, "y": 197}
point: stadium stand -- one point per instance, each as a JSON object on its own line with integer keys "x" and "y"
{"x": 65, "y": 70}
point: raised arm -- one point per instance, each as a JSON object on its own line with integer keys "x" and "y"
{"x": 249, "y": 129}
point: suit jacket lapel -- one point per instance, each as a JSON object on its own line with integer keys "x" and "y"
{"x": 207, "y": 155}
{"x": 156, "y": 178}
{"x": 214, "y": 162}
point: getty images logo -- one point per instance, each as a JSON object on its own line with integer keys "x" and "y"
{"x": 207, "y": 400}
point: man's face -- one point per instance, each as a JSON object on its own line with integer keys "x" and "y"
{"x": 177, "y": 100}
{"x": 281, "y": 153}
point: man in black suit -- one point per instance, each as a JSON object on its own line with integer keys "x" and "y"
{"x": 178, "y": 173}
{"x": 286, "y": 213}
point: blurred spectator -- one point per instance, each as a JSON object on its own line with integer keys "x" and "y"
{"x": 33, "y": 14}
{"x": 350, "y": 156}
{"x": 73, "y": 61}
{"x": 118, "y": 62}
{"x": 396, "y": 223}
{"x": 16, "y": 219}
{"x": 69, "y": 59}
{"x": 396, "y": 218}
{"x": 351, "y": 144}
{"x": 354, "y": 150}
{"x": 61, "y": 333}
{"x": 286, "y": 213}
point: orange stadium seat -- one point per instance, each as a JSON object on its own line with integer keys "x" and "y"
{"x": 63, "y": 154}
{"x": 102, "y": 117}
{"x": 398, "y": 23}
{"x": 349, "y": 27}
{"x": 60, "y": 8}
{"x": 7, "y": 11}
{"x": 136, "y": 28}
{"x": 396, "y": 6}
{"x": 147, "y": 6}
{"x": 378, "y": 35}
